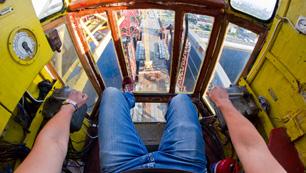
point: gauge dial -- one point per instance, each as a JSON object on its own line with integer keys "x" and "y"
{"x": 23, "y": 45}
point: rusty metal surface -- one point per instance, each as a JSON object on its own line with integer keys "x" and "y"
{"x": 186, "y": 7}
{"x": 153, "y": 97}
{"x": 81, "y": 4}
{"x": 243, "y": 22}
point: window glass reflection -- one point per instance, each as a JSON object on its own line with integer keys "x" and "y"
{"x": 237, "y": 48}
{"x": 70, "y": 69}
{"x": 99, "y": 38}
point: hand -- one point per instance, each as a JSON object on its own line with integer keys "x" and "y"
{"x": 78, "y": 97}
{"x": 218, "y": 95}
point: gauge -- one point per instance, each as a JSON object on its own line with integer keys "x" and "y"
{"x": 23, "y": 46}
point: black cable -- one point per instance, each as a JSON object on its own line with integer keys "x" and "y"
{"x": 11, "y": 152}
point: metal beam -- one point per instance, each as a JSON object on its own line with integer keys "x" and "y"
{"x": 179, "y": 18}
{"x": 81, "y": 49}
{"x": 153, "y": 97}
{"x": 159, "y": 97}
{"x": 207, "y": 4}
{"x": 54, "y": 73}
{"x": 213, "y": 60}
{"x": 209, "y": 54}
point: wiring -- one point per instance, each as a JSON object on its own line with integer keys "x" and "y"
{"x": 214, "y": 146}
{"x": 91, "y": 137}
{"x": 73, "y": 153}
{"x": 11, "y": 152}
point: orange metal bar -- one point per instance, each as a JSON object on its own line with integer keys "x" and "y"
{"x": 213, "y": 60}
{"x": 209, "y": 53}
{"x": 82, "y": 4}
{"x": 188, "y": 8}
{"x": 52, "y": 70}
{"x": 81, "y": 48}
{"x": 245, "y": 23}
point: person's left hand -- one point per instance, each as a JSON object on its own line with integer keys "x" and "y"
{"x": 78, "y": 97}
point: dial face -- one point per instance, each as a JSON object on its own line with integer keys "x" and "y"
{"x": 24, "y": 44}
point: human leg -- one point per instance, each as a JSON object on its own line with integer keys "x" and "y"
{"x": 120, "y": 145}
{"x": 182, "y": 144}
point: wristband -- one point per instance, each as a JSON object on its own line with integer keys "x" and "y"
{"x": 73, "y": 103}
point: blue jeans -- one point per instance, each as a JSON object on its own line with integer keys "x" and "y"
{"x": 121, "y": 148}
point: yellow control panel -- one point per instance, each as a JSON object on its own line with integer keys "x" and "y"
{"x": 24, "y": 51}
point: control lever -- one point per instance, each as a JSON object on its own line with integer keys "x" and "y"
{"x": 242, "y": 101}
{"x": 53, "y": 104}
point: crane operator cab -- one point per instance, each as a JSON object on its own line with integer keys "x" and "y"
{"x": 157, "y": 50}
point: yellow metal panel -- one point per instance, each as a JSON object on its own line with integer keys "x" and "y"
{"x": 16, "y": 77}
{"x": 36, "y": 123}
{"x": 263, "y": 116}
{"x": 294, "y": 58}
{"x": 4, "y": 118}
{"x": 301, "y": 148}
{"x": 279, "y": 74}
{"x": 13, "y": 133}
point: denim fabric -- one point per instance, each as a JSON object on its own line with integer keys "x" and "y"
{"x": 121, "y": 148}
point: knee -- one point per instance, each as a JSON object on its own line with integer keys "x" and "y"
{"x": 111, "y": 92}
{"x": 180, "y": 98}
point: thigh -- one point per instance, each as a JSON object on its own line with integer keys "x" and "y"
{"x": 182, "y": 145}
{"x": 119, "y": 142}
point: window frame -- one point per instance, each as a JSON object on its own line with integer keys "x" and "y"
{"x": 217, "y": 9}
{"x": 98, "y": 88}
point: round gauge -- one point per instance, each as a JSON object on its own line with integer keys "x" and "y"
{"x": 23, "y": 46}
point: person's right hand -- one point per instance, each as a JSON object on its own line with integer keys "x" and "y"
{"x": 218, "y": 95}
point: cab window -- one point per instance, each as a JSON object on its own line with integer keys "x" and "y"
{"x": 147, "y": 41}
{"x": 70, "y": 69}
{"x": 237, "y": 48}
{"x": 99, "y": 39}
{"x": 45, "y": 8}
{"x": 261, "y": 9}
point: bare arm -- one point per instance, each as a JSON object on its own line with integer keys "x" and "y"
{"x": 51, "y": 144}
{"x": 249, "y": 145}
